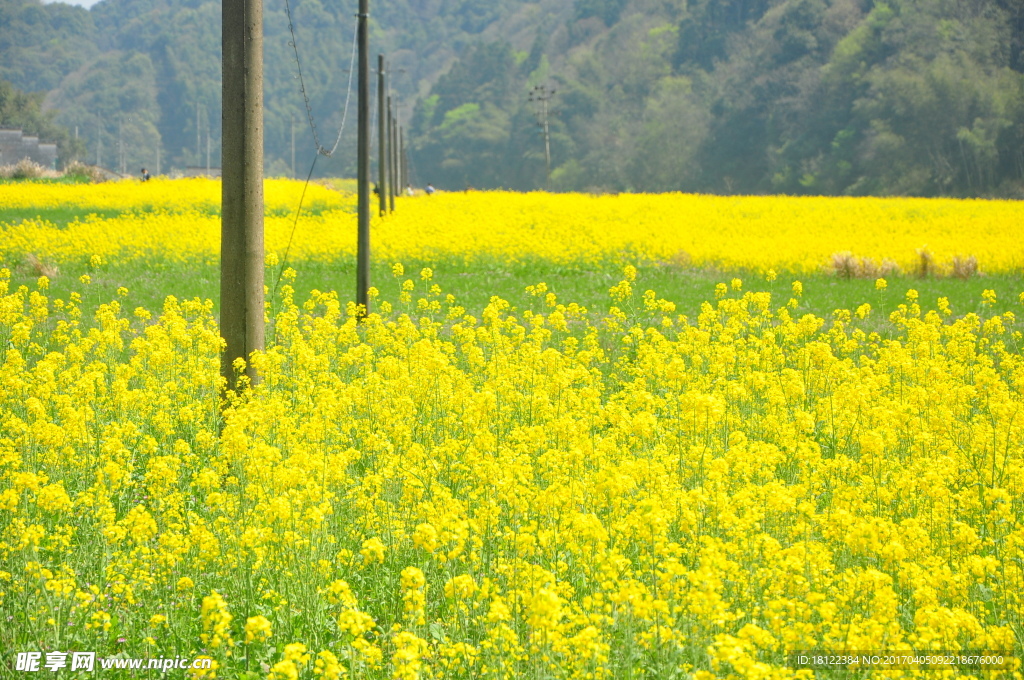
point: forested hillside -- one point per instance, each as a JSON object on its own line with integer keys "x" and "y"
{"x": 794, "y": 96}
{"x": 922, "y": 97}
{"x": 132, "y": 74}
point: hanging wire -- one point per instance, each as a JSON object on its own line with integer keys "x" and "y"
{"x": 320, "y": 149}
{"x": 295, "y": 223}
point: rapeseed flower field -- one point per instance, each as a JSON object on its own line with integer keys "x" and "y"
{"x": 798, "y": 235}
{"x": 551, "y": 491}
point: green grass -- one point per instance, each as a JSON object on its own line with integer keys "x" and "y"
{"x": 150, "y": 282}
{"x": 59, "y": 217}
{"x": 65, "y": 179}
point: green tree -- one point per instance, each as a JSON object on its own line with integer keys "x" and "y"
{"x": 114, "y": 97}
{"x": 24, "y": 111}
{"x": 40, "y": 44}
{"x": 464, "y": 126}
{"x": 675, "y": 126}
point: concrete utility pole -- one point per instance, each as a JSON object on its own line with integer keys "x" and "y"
{"x": 542, "y": 94}
{"x": 293, "y": 145}
{"x": 363, "y": 161}
{"x": 199, "y": 157}
{"x": 120, "y": 146}
{"x": 395, "y": 155}
{"x": 391, "y": 157}
{"x": 241, "y": 245}
{"x": 382, "y": 163}
{"x": 403, "y": 171}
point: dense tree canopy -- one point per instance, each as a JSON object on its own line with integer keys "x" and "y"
{"x": 19, "y": 110}
{"x": 918, "y": 97}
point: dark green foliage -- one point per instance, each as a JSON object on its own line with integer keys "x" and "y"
{"x": 607, "y": 11}
{"x": 465, "y": 123}
{"x": 796, "y": 96}
{"x": 115, "y": 96}
{"x": 24, "y": 111}
{"x": 40, "y": 44}
{"x": 706, "y": 26}
{"x": 920, "y": 97}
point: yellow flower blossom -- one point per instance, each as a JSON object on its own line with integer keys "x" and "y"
{"x": 257, "y": 628}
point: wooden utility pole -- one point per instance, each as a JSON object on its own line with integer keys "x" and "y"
{"x": 382, "y": 163}
{"x": 391, "y": 157}
{"x": 241, "y": 244}
{"x": 363, "y": 162}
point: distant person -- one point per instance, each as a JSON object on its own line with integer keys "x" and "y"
{"x": 408, "y": 190}
{"x": 430, "y": 189}
{"x": 145, "y": 175}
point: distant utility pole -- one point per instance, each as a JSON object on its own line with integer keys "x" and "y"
{"x": 394, "y": 154}
{"x": 158, "y": 158}
{"x": 382, "y": 162}
{"x": 120, "y": 146}
{"x": 207, "y": 150}
{"x": 241, "y": 245}
{"x": 541, "y": 95}
{"x": 402, "y": 170}
{"x": 391, "y": 157}
{"x": 293, "y": 145}
{"x": 199, "y": 133}
{"x": 99, "y": 146}
{"x": 363, "y": 162}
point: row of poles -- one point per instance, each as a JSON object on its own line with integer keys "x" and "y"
{"x": 392, "y": 164}
{"x": 242, "y": 250}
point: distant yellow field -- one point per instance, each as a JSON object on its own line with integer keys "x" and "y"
{"x": 759, "y": 233}
{"x": 177, "y": 219}
{"x": 177, "y": 195}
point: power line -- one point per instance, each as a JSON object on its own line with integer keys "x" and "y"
{"x": 295, "y": 223}
{"x": 320, "y": 150}
{"x": 302, "y": 86}
{"x": 360, "y": 41}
